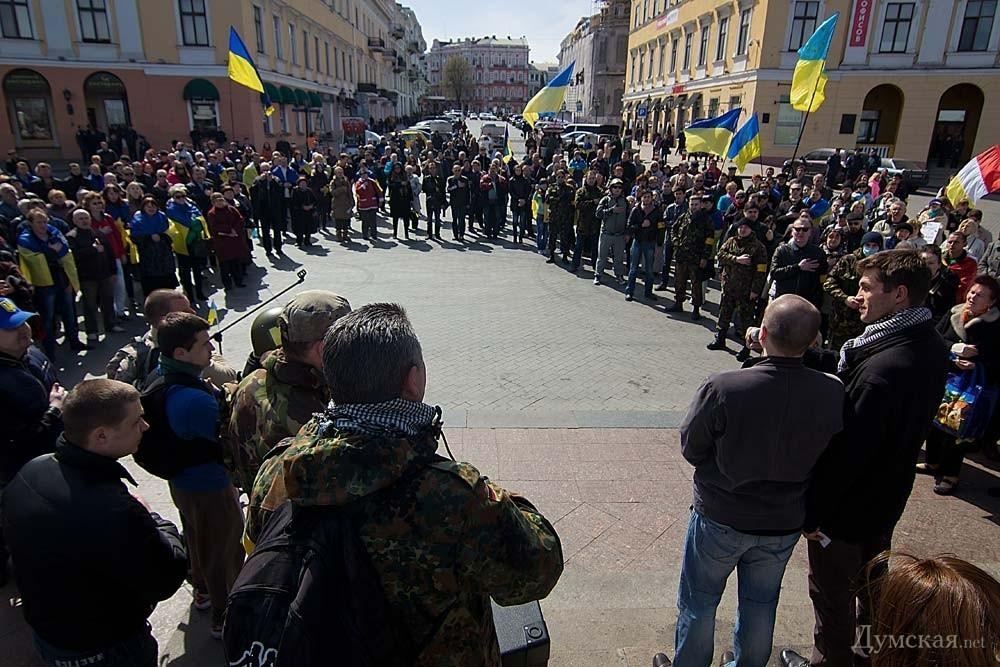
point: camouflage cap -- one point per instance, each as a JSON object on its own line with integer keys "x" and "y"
{"x": 308, "y": 316}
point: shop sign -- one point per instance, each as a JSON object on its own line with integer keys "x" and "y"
{"x": 860, "y": 22}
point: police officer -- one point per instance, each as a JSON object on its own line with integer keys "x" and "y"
{"x": 743, "y": 259}
{"x": 273, "y": 402}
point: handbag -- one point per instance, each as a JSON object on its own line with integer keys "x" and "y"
{"x": 968, "y": 404}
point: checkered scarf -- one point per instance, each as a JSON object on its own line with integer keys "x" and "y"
{"x": 395, "y": 418}
{"x": 886, "y": 326}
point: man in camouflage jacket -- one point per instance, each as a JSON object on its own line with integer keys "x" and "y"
{"x": 559, "y": 200}
{"x": 743, "y": 259}
{"x": 442, "y": 538}
{"x": 276, "y": 400}
{"x": 692, "y": 237}
{"x": 587, "y": 223}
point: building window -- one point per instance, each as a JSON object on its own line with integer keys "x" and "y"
{"x": 258, "y": 28}
{"x": 688, "y": 39}
{"x": 283, "y": 117}
{"x": 326, "y": 48}
{"x": 292, "y": 50}
{"x": 15, "y": 19}
{"x": 194, "y": 23}
{"x": 299, "y": 115}
{"x": 977, "y": 25}
{"x": 744, "y": 34}
{"x": 204, "y": 114}
{"x": 93, "y": 21}
{"x": 28, "y": 99}
{"x": 713, "y": 107}
{"x": 652, "y": 59}
{"x": 642, "y": 66}
{"x": 734, "y": 102}
{"x": 305, "y": 49}
{"x": 786, "y": 129}
{"x": 663, "y": 60}
{"x": 277, "y": 38}
{"x": 868, "y": 128}
{"x": 703, "y": 46}
{"x": 720, "y": 46}
{"x": 316, "y": 62}
{"x": 896, "y": 27}
{"x": 673, "y": 55}
{"x": 804, "y": 17}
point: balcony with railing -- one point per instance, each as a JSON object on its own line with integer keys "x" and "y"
{"x": 398, "y": 31}
{"x": 376, "y": 44}
{"x": 413, "y": 46}
{"x": 365, "y": 87}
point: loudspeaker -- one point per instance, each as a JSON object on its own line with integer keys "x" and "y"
{"x": 521, "y": 632}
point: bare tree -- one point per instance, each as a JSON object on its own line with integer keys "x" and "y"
{"x": 457, "y": 78}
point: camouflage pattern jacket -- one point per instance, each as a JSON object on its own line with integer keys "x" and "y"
{"x": 693, "y": 236}
{"x": 739, "y": 279}
{"x": 135, "y": 362}
{"x": 559, "y": 200}
{"x": 585, "y": 202}
{"x": 271, "y": 404}
{"x": 443, "y": 538}
{"x": 841, "y": 283}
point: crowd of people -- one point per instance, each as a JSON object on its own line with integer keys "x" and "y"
{"x": 326, "y": 431}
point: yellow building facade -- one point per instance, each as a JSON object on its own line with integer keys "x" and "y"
{"x": 915, "y": 80}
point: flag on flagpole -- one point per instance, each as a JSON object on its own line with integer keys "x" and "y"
{"x": 712, "y": 135}
{"x": 809, "y": 79}
{"x": 549, "y": 99}
{"x": 243, "y": 71}
{"x": 507, "y": 155}
{"x": 978, "y": 178}
{"x": 745, "y": 145}
{"x": 213, "y": 313}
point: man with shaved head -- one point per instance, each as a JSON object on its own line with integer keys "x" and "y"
{"x": 750, "y": 482}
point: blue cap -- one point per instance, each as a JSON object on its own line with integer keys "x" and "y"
{"x": 11, "y": 317}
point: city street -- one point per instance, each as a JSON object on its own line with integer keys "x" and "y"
{"x": 566, "y": 393}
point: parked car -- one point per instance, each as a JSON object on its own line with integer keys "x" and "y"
{"x": 814, "y": 161}
{"x": 487, "y": 116}
{"x": 444, "y": 126}
{"x": 914, "y": 173}
{"x": 473, "y": 116}
{"x": 493, "y": 130}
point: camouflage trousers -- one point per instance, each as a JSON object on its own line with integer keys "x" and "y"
{"x": 742, "y": 306}
{"x": 565, "y": 235}
{"x": 686, "y": 271}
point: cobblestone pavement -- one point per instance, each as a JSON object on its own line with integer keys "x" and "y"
{"x": 566, "y": 393}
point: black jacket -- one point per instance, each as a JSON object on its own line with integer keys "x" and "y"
{"x": 864, "y": 479}
{"x": 91, "y": 562}
{"x": 982, "y": 331}
{"x": 751, "y": 474}
{"x": 941, "y": 295}
{"x": 790, "y": 279}
{"x": 31, "y": 426}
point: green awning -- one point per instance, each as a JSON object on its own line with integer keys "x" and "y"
{"x": 315, "y": 101}
{"x": 272, "y": 92}
{"x": 286, "y": 95}
{"x": 200, "y": 89}
{"x": 301, "y": 98}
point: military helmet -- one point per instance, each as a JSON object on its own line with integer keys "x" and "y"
{"x": 265, "y": 334}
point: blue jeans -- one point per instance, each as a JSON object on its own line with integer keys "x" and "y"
{"x": 542, "y": 235}
{"x": 139, "y": 650}
{"x": 645, "y": 250}
{"x": 53, "y": 301}
{"x": 518, "y": 222}
{"x": 711, "y": 552}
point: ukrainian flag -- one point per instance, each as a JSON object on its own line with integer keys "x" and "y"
{"x": 507, "y": 155}
{"x": 745, "y": 145}
{"x": 809, "y": 80}
{"x": 549, "y": 99}
{"x": 712, "y": 135}
{"x": 243, "y": 71}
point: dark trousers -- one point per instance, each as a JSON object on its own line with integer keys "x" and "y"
{"x": 191, "y": 278}
{"x": 139, "y": 650}
{"x": 841, "y": 600}
{"x": 943, "y": 451}
{"x": 519, "y": 223}
{"x": 128, "y": 273}
{"x": 53, "y": 302}
{"x": 150, "y": 283}
{"x": 458, "y": 222}
{"x": 213, "y": 528}
{"x": 369, "y": 224}
{"x": 395, "y": 226}
{"x": 586, "y": 244}
{"x": 493, "y": 220}
{"x": 98, "y": 294}
{"x": 433, "y": 221}
{"x": 668, "y": 256}
{"x": 231, "y": 273}
{"x": 687, "y": 271}
{"x": 267, "y": 227}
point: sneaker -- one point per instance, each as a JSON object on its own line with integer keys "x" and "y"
{"x": 695, "y": 314}
{"x": 597, "y": 280}
{"x": 202, "y": 601}
{"x": 628, "y": 297}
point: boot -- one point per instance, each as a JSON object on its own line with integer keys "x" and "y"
{"x": 696, "y": 314}
{"x": 743, "y": 354}
{"x": 720, "y": 340}
{"x": 790, "y": 658}
{"x": 678, "y": 307}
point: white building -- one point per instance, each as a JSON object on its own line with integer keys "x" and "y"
{"x": 599, "y": 47}
{"x": 499, "y": 70}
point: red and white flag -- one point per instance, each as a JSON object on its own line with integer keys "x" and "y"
{"x": 978, "y": 178}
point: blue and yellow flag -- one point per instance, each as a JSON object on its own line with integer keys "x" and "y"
{"x": 745, "y": 145}
{"x": 243, "y": 71}
{"x": 712, "y": 135}
{"x": 549, "y": 99}
{"x": 213, "y": 313}
{"x": 507, "y": 155}
{"x": 809, "y": 80}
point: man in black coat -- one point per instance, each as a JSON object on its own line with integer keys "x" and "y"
{"x": 90, "y": 560}
{"x": 267, "y": 197}
{"x": 894, "y": 376}
{"x": 798, "y": 265}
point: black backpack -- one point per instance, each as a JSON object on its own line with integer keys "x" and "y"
{"x": 309, "y": 595}
{"x": 161, "y": 452}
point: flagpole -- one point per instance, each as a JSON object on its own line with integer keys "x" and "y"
{"x": 232, "y": 117}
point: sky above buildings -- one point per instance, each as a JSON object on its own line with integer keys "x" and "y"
{"x": 544, "y": 23}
